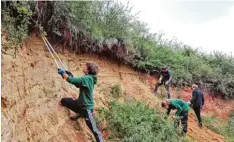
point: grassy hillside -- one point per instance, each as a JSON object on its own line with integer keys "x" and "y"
{"x": 111, "y": 29}
{"x": 32, "y": 88}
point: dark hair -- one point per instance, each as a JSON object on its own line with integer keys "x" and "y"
{"x": 92, "y": 68}
{"x": 163, "y": 104}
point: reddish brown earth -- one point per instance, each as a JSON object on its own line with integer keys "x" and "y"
{"x": 31, "y": 90}
{"x": 213, "y": 105}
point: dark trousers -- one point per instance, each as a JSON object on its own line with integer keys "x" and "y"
{"x": 86, "y": 113}
{"x": 184, "y": 121}
{"x": 166, "y": 86}
{"x": 197, "y": 111}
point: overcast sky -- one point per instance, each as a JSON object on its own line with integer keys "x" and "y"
{"x": 199, "y": 23}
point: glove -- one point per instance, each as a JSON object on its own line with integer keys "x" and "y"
{"x": 166, "y": 83}
{"x": 61, "y": 72}
{"x": 69, "y": 73}
{"x": 173, "y": 117}
{"x": 160, "y": 80}
{"x": 189, "y": 103}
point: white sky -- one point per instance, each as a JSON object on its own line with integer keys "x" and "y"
{"x": 208, "y": 24}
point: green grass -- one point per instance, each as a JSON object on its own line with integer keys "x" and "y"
{"x": 219, "y": 126}
{"x": 136, "y": 122}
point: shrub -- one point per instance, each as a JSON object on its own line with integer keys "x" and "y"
{"x": 117, "y": 91}
{"x": 136, "y": 122}
{"x": 15, "y": 20}
{"x": 217, "y": 125}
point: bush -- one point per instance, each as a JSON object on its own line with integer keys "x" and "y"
{"x": 217, "y": 125}
{"x": 117, "y": 91}
{"x": 15, "y": 20}
{"x": 213, "y": 123}
{"x": 136, "y": 122}
{"x": 230, "y": 127}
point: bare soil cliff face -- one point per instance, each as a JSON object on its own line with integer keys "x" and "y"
{"x": 31, "y": 90}
{"x": 214, "y": 105}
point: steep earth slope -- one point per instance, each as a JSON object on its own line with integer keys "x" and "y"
{"x": 31, "y": 90}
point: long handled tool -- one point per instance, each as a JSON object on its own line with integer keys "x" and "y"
{"x": 44, "y": 40}
{"x": 51, "y": 49}
{"x": 52, "y": 52}
{"x": 57, "y": 57}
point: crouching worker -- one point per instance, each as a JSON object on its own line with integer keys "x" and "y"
{"x": 165, "y": 78}
{"x": 181, "y": 114}
{"x": 84, "y": 105}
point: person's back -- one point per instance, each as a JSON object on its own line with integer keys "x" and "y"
{"x": 178, "y": 102}
{"x": 86, "y": 84}
{"x": 198, "y": 101}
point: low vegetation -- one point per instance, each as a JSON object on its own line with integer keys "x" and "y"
{"x": 111, "y": 29}
{"x": 135, "y": 121}
{"x": 219, "y": 126}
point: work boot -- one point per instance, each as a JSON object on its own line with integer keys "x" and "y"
{"x": 75, "y": 117}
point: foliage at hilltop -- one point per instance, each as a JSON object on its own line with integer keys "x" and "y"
{"x": 109, "y": 28}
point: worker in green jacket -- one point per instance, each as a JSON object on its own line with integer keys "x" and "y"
{"x": 84, "y": 105}
{"x": 181, "y": 114}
